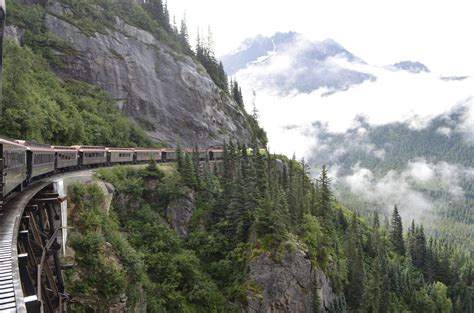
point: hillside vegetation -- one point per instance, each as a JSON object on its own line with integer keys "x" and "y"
{"x": 38, "y": 105}
{"x": 259, "y": 204}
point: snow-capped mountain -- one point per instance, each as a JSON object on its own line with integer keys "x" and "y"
{"x": 288, "y": 62}
{"x": 412, "y": 67}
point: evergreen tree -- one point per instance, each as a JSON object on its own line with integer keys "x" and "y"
{"x": 325, "y": 198}
{"x": 396, "y": 232}
{"x": 188, "y": 173}
{"x": 183, "y": 37}
{"x": 356, "y": 275}
{"x": 272, "y": 217}
{"x": 179, "y": 158}
{"x": 419, "y": 249}
{"x": 261, "y": 174}
{"x": 205, "y": 55}
{"x": 236, "y": 94}
{"x": 197, "y": 167}
{"x": 372, "y": 296}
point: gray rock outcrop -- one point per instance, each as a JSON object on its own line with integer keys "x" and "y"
{"x": 287, "y": 285}
{"x": 168, "y": 93}
{"x": 179, "y": 213}
{"x": 14, "y": 33}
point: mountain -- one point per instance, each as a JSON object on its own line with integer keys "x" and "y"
{"x": 412, "y": 67}
{"x": 454, "y": 78}
{"x": 253, "y": 233}
{"x": 253, "y": 49}
{"x": 428, "y": 172}
{"x": 139, "y": 62}
{"x": 288, "y": 62}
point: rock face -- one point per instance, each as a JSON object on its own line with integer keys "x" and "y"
{"x": 179, "y": 213}
{"x": 14, "y": 33}
{"x": 168, "y": 93}
{"x": 288, "y": 285}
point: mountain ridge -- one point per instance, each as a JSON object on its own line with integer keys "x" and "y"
{"x": 294, "y": 63}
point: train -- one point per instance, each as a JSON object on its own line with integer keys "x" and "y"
{"x": 22, "y": 161}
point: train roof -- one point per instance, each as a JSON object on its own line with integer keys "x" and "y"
{"x": 11, "y": 142}
{"x": 147, "y": 150}
{"x": 193, "y": 150}
{"x": 120, "y": 149}
{"x": 57, "y": 148}
{"x": 89, "y": 148}
{"x": 34, "y": 146}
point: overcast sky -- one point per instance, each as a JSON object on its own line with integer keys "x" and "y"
{"x": 436, "y": 33}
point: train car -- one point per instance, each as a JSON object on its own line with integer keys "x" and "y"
{"x": 215, "y": 154}
{"x": 90, "y": 156}
{"x": 145, "y": 155}
{"x": 120, "y": 155}
{"x": 203, "y": 155}
{"x": 168, "y": 155}
{"x": 66, "y": 157}
{"x": 2, "y": 28}
{"x": 13, "y": 168}
{"x": 40, "y": 159}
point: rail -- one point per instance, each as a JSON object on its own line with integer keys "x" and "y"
{"x": 22, "y": 238}
{"x": 11, "y": 292}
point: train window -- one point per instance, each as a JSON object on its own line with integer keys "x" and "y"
{"x": 10, "y": 158}
{"x": 67, "y": 156}
{"x": 43, "y": 158}
{"x": 94, "y": 154}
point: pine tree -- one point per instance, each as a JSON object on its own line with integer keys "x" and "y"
{"x": 219, "y": 212}
{"x": 197, "y": 167}
{"x": 272, "y": 216}
{"x": 411, "y": 239}
{"x": 396, "y": 232}
{"x": 236, "y": 94}
{"x": 166, "y": 17}
{"x": 188, "y": 173}
{"x": 355, "y": 259}
{"x": 261, "y": 174}
{"x": 372, "y": 296}
{"x": 325, "y": 198}
{"x": 183, "y": 37}
{"x": 419, "y": 249}
{"x": 179, "y": 158}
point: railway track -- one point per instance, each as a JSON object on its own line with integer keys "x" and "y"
{"x": 11, "y": 293}
{"x": 12, "y": 229}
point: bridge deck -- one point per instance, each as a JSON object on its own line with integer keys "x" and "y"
{"x": 11, "y": 293}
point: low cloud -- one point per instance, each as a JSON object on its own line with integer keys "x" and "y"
{"x": 406, "y": 188}
{"x": 444, "y": 131}
{"x": 396, "y": 96}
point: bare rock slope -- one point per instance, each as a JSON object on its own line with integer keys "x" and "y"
{"x": 288, "y": 285}
{"x": 168, "y": 93}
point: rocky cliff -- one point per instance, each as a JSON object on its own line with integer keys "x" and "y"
{"x": 290, "y": 284}
{"x": 166, "y": 92}
{"x": 179, "y": 213}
